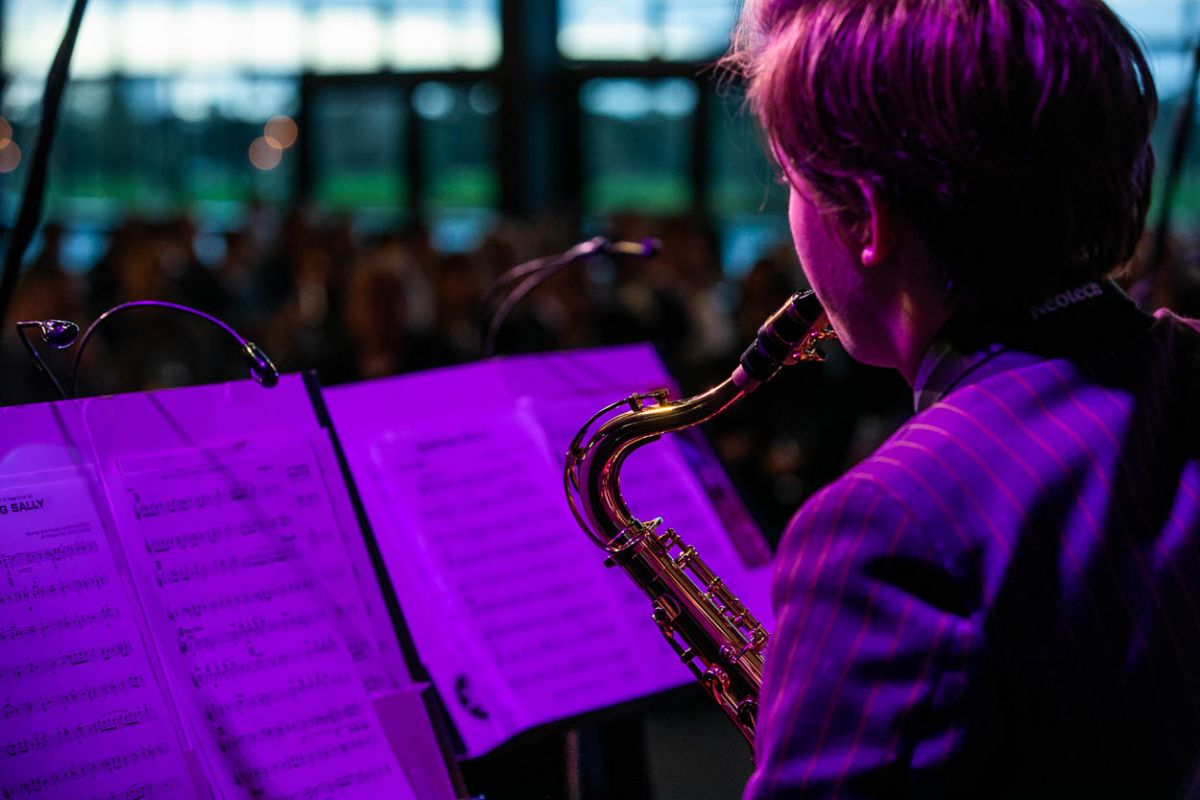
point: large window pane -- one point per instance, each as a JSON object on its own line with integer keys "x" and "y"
{"x": 1157, "y": 20}
{"x": 684, "y": 30}
{"x": 458, "y": 133}
{"x": 637, "y": 144}
{"x": 749, "y": 204}
{"x": 155, "y": 145}
{"x": 173, "y": 37}
{"x": 358, "y": 147}
{"x": 429, "y": 34}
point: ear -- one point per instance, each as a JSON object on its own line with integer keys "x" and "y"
{"x": 881, "y": 227}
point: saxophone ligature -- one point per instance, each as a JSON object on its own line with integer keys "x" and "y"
{"x": 708, "y": 627}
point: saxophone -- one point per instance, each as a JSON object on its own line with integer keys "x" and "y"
{"x": 708, "y": 627}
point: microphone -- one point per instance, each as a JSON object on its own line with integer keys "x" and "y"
{"x": 521, "y": 279}
{"x": 643, "y": 248}
{"x": 58, "y": 333}
{"x": 61, "y": 334}
{"x": 262, "y": 370}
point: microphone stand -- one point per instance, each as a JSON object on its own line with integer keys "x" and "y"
{"x": 524, "y": 278}
{"x": 35, "y": 182}
{"x": 61, "y": 334}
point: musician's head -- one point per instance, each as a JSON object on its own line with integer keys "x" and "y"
{"x": 1011, "y": 136}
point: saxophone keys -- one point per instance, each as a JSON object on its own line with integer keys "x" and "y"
{"x": 686, "y": 555}
{"x": 715, "y": 679}
{"x": 747, "y": 711}
{"x": 668, "y": 538}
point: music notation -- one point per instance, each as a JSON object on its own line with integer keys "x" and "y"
{"x": 147, "y": 791}
{"x": 214, "y": 535}
{"x": 247, "y": 585}
{"x": 70, "y": 622}
{"x": 515, "y": 581}
{"x": 222, "y": 567}
{"x": 189, "y": 642}
{"x": 61, "y": 777}
{"x": 84, "y": 694}
{"x": 72, "y": 658}
{"x": 32, "y": 594}
{"x": 470, "y": 517}
{"x": 10, "y": 562}
{"x": 252, "y": 776}
{"x": 209, "y": 673}
{"x": 242, "y": 600}
{"x": 340, "y": 785}
{"x": 188, "y": 504}
{"x": 330, "y": 720}
{"x": 78, "y": 733}
{"x": 80, "y": 713}
{"x": 295, "y": 689}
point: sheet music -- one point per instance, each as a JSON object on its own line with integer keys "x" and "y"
{"x": 545, "y": 633}
{"x": 83, "y": 715}
{"x": 253, "y": 602}
{"x": 507, "y": 599}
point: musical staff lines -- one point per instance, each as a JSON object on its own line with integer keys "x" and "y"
{"x": 296, "y": 688}
{"x": 79, "y": 733}
{"x": 242, "y": 600}
{"x": 81, "y": 713}
{"x": 245, "y": 629}
{"x": 221, "y": 567}
{"x": 209, "y": 673}
{"x": 340, "y": 784}
{"x": 10, "y": 562}
{"x": 62, "y": 777}
{"x": 146, "y": 791}
{"x": 214, "y": 535}
{"x": 188, "y": 504}
{"x": 32, "y": 594}
{"x": 83, "y": 694}
{"x": 67, "y": 623}
{"x": 334, "y": 718}
{"x": 251, "y": 777}
{"x": 74, "y": 658}
{"x": 252, "y": 600}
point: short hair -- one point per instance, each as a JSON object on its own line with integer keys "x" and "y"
{"x": 1013, "y": 134}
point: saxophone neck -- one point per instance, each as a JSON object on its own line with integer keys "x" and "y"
{"x": 594, "y": 462}
{"x": 594, "y": 459}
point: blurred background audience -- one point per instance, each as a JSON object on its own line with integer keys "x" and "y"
{"x": 343, "y": 180}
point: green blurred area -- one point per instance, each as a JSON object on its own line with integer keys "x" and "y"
{"x": 345, "y": 190}
{"x": 631, "y": 191}
{"x": 1185, "y": 205}
{"x": 466, "y": 187}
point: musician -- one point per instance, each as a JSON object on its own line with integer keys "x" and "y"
{"x": 1004, "y": 599}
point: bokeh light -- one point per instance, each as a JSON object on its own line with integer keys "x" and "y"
{"x": 10, "y": 157}
{"x": 5, "y": 132}
{"x": 264, "y": 154}
{"x": 281, "y": 131}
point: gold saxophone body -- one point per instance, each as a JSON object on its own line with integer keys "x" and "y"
{"x": 710, "y": 629}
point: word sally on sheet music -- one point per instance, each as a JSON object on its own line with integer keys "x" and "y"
{"x": 23, "y": 505}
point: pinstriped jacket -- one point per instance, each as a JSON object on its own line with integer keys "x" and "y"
{"x": 1004, "y": 599}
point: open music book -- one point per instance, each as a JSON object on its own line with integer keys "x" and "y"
{"x": 511, "y": 609}
{"x": 189, "y": 606}
{"x": 188, "y": 610}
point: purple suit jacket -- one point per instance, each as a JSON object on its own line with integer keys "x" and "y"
{"x": 1004, "y": 599}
